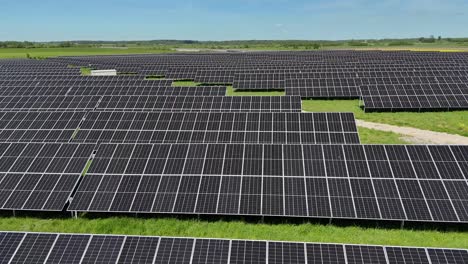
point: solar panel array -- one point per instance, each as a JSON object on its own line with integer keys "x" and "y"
{"x": 40, "y": 176}
{"x": 218, "y": 127}
{"x": 48, "y": 103}
{"x": 328, "y": 74}
{"x": 155, "y": 148}
{"x": 201, "y": 104}
{"x": 19, "y": 247}
{"x": 416, "y": 183}
{"x": 36, "y": 126}
{"x": 415, "y": 96}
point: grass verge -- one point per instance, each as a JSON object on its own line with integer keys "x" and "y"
{"x": 78, "y": 51}
{"x": 185, "y": 83}
{"x": 455, "y": 122}
{"x": 232, "y": 92}
{"x": 372, "y": 136}
{"x": 307, "y": 232}
{"x": 85, "y": 71}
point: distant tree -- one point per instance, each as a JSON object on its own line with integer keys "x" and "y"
{"x": 439, "y": 38}
{"x": 316, "y": 46}
{"x": 431, "y": 39}
{"x": 65, "y": 44}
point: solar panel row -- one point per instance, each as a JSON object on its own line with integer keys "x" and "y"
{"x": 415, "y": 96}
{"x": 39, "y": 176}
{"x": 17, "y": 247}
{"x": 153, "y": 103}
{"x": 39, "y": 126}
{"x": 118, "y": 91}
{"x": 417, "y": 183}
{"x": 178, "y": 127}
{"x": 218, "y": 127}
{"x": 202, "y": 104}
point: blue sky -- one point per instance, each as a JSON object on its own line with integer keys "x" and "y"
{"x": 48, "y": 20}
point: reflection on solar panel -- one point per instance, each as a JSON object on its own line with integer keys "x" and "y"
{"x": 22, "y": 247}
{"x": 48, "y": 103}
{"x": 418, "y": 183}
{"x": 201, "y": 104}
{"x": 39, "y": 126}
{"x": 38, "y": 176}
{"x": 218, "y": 127}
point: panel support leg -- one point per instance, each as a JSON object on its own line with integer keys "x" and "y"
{"x": 402, "y": 225}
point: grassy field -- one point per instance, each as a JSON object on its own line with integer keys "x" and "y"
{"x": 79, "y": 51}
{"x": 305, "y": 232}
{"x": 232, "y": 92}
{"x": 129, "y": 48}
{"x": 372, "y": 136}
{"x": 455, "y": 122}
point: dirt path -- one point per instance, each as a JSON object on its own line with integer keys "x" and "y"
{"x": 417, "y": 136}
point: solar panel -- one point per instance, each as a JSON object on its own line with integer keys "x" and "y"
{"x": 38, "y": 176}
{"x": 326, "y": 181}
{"x": 48, "y": 103}
{"x": 218, "y": 127}
{"x": 34, "y": 248}
{"x": 407, "y": 255}
{"x": 258, "y": 81}
{"x": 83, "y": 248}
{"x": 32, "y": 88}
{"x": 68, "y": 248}
{"x": 201, "y": 104}
{"x": 137, "y": 81}
{"x": 38, "y": 126}
{"x": 415, "y": 97}
{"x": 155, "y": 91}
{"x": 215, "y": 76}
{"x": 326, "y": 88}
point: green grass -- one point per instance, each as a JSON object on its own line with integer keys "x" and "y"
{"x": 85, "y": 71}
{"x": 87, "y": 166}
{"x": 154, "y": 77}
{"x": 77, "y": 51}
{"x": 306, "y": 232}
{"x": 111, "y": 49}
{"x": 372, "y": 136}
{"x": 185, "y": 83}
{"x": 232, "y": 92}
{"x": 455, "y": 122}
